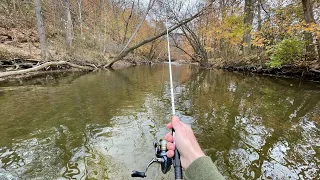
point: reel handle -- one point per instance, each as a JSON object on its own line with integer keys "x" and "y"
{"x": 177, "y": 165}
{"x": 138, "y": 174}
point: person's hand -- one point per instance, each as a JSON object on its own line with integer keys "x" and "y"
{"x": 185, "y": 141}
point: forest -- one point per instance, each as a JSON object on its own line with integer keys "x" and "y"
{"x": 87, "y": 88}
{"x": 238, "y": 35}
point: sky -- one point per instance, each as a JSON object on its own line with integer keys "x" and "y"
{"x": 190, "y": 3}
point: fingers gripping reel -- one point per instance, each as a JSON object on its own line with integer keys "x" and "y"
{"x": 161, "y": 158}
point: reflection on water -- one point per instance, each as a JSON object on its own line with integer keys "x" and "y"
{"x": 102, "y": 125}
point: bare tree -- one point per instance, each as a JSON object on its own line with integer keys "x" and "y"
{"x": 248, "y": 20}
{"x": 80, "y": 16}
{"x": 127, "y": 23}
{"x": 126, "y": 51}
{"x": 151, "y": 2}
{"x": 309, "y": 18}
{"x": 68, "y": 24}
{"x": 258, "y": 6}
{"x": 196, "y": 44}
{"x": 41, "y": 30}
{"x": 105, "y": 28}
{"x": 116, "y": 32}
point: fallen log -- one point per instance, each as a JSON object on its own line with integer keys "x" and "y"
{"x": 42, "y": 66}
{"x": 314, "y": 70}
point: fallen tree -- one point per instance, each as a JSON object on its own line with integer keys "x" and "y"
{"x": 124, "y": 53}
{"x": 43, "y": 66}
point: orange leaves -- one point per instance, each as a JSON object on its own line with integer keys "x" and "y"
{"x": 304, "y": 27}
{"x": 312, "y": 28}
{"x": 209, "y": 49}
{"x": 258, "y": 42}
{"x": 230, "y": 30}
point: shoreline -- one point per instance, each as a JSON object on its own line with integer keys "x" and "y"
{"x": 287, "y": 71}
{"x": 69, "y": 67}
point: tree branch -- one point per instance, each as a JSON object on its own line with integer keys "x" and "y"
{"x": 126, "y": 52}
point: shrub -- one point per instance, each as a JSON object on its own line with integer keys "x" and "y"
{"x": 287, "y": 51}
{"x": 4, "y": 54}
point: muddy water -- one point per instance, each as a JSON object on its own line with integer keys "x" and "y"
{"x": 102, "y": 125}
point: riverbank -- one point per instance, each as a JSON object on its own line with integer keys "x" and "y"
{"x": 288, "y": 71}
{"x": 18, "y": 60}
{"x": 21, "y": 69}
{"x": 306, "y": 70}
{"x": 20, "y": 54}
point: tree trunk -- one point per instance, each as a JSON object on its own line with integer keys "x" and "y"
{"x": 14, "y": 6}
{"x": 54, "y": 7}
{"x": 196, "y": 45}
{"x": 223, "y": 9}
{"x": 309, "y": 18}
{"x": 68, "y": 24}
{"x": 116, "y": 30}
{"x": 151, "y": 2}
{"x": 318, "y": 40}
{"x": 41, "y": 30}
{"x": 184, "y": 51}
{"x": 127, "y": 23}
{"x": 248, "y": 20}
{"x": 80, "y": 16}
{"x": 105, "y": 28}
{"x": 259, "y": 15}
{"x": 100, "y": 24}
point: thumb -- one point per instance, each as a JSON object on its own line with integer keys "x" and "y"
{"x": 176, "y": 123}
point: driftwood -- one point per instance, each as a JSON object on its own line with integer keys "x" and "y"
{"x": 42, "y": 66}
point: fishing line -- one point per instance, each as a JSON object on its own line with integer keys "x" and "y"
{"x": 176, "y": 157}
{"x": 161, "y": 146}
{"x": 170, "y": 71}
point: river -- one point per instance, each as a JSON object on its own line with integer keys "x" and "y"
{"x": 102, "y": 125}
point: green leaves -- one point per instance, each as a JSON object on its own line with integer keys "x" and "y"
{"x": 286, "y": 51}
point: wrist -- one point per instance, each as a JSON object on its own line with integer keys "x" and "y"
{"x": 193, "y": 156}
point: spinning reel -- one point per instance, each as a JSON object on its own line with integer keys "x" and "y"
{"x": 161, "y": 158}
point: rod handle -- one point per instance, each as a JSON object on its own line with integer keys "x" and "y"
{"x": 177, "y": 165}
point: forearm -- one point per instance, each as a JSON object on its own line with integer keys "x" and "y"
{"x": 202, "y": 169}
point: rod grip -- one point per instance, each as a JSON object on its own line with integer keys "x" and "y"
{"x": 177, "y": 165}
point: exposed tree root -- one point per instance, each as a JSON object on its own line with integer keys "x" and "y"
{"x": 314, "y": 70}
{"x": 285, "y": 71}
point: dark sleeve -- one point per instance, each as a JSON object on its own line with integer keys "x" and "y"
{"x": 202, "y": 169}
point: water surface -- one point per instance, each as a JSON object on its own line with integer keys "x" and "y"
{"x": 101, "y": 125}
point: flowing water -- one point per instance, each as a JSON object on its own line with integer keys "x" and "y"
{"x": 102, "y": 125}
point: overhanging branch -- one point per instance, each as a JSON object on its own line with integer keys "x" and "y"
{"x": 126, "y": 52}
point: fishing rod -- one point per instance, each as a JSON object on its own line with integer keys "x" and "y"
{"x": 161, "y": 147}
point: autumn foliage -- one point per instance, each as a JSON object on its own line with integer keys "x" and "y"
{"x": 250, "y": 31}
